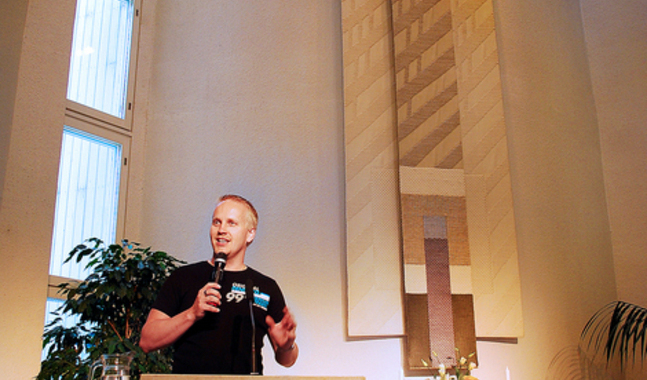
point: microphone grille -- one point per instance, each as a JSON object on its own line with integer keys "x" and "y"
{"x": 220, "y": 258}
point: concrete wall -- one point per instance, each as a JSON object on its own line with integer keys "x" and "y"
{"x": 617, "y": 54}
{"x": 31, "y": 123}
{"x": 12, "y": 27}
{"x": 565, "y": 253}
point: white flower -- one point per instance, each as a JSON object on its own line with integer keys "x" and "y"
{"x": 441, "y": 369}
{"x": 462, "y": 361}
{"x": 471, "y": 366}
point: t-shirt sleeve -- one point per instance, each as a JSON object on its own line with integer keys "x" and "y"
{"x": 277, "y": 304}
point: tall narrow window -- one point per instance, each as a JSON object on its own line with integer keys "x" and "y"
{"x": 93, "y": 169}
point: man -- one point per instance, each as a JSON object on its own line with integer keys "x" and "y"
{"x": 209, "y": 324}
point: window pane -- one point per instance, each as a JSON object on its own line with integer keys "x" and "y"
{"x": 87, "y": 197}
{"x": 101, "y": 55}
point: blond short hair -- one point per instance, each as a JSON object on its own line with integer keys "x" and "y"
{"x": 252, "y": 215}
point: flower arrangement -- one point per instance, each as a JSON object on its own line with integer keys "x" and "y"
{"x": 463, "y": 369}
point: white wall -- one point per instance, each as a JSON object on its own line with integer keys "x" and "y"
{"x": 245, "y": 97}
{"x": 564, "y": 147}
{"x": 617, "y": 53}
{"x": 12, "y": 27}
{"x": 248, "y": 100}
{"x": 31, "y": 142}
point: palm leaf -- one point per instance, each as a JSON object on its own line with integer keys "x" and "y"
{"x": 617, "y": 329}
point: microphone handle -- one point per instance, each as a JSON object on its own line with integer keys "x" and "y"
{"x": 218, "y": 272}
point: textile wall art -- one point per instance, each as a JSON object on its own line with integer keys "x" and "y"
{"x": 431, "y": 244}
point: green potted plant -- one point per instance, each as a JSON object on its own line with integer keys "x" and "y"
{"x": 111, "y": 305}
{"x": 618, "y": 330}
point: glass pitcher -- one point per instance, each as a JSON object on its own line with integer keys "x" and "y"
{"x": 115, "y": 366}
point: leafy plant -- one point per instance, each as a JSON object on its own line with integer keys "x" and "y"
{"x": 619, "y": 328}
{"x": 111, "y": 305}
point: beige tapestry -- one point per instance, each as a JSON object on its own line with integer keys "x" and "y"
{"x": 425, "y": 134}
{"x": 424, "y": 117}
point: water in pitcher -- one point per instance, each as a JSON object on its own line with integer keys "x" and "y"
{"x": 115, "y": 367}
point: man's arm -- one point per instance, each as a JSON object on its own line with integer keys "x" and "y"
{"x": 283, "y": 336}
{"x": 161, "y": 330}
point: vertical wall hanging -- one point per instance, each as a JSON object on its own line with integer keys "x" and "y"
{"x": 427, "y": 177}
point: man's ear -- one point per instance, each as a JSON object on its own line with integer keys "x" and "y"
{"x": 251, "y": 234}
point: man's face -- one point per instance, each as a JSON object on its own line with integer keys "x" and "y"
{"x": 230, "y": 232}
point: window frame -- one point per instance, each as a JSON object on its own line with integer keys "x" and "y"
{"x": 123, "y": 139}
{"x": 74, "y": 108}
{"x": 94, "y": 122}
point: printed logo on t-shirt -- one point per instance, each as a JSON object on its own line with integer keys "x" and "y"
{"x": 237, "y": 294}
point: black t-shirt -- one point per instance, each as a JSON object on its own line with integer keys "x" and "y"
{"x": 220, "y": 343}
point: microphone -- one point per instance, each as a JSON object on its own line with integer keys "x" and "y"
{"x": 219, "y": 267}
{"x": 249, "y": 294}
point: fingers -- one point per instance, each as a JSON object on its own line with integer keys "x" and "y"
{"x": 283, "y": 333}
{"x": 270, "y": 322}
{"x": 208, "y": 299}
{"x": 288, "y": 321}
